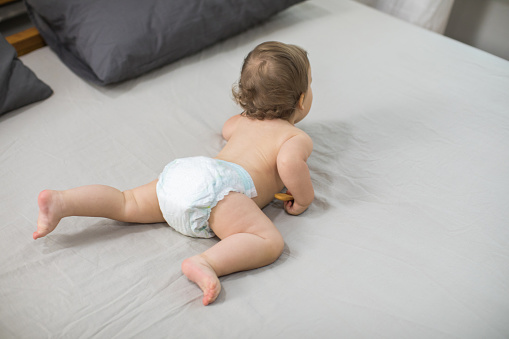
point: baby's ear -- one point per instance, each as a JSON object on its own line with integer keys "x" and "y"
{"x": 300, "y": 103}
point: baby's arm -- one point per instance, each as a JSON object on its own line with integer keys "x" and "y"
{"x": 294, "y": 172}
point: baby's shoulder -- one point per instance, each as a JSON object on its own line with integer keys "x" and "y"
{"x": 298, "y": 134}
{"x": 297, "y": 142}
{"x": 230, "y": 125}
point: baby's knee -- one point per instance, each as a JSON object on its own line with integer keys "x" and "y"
{"x": 276, "y": 245}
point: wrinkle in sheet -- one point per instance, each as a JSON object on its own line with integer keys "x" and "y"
{"x": 160, "y": 310}
{"x": 334, "y": 144}
{"x": 93, "y": 309}
{"x": 8, "y": 149}
{"x": 389, "y": 306}
{"x": 433, "y": 273}
{"x": 332, "y": 299}
{"x": 89, "y": 286}
{"x": 125, "y": 315}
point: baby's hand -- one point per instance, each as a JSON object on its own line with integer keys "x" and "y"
{"x": 291, "y": 207}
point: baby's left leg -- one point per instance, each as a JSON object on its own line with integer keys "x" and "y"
{"x": 249, "y": 240}
{"x": 137, "y": 205}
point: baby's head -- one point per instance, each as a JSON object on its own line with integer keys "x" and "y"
{"x": 273, "y": 78}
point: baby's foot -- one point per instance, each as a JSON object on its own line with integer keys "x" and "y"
{"x": 198, "y": 270}
{"x": 49, "y": 213}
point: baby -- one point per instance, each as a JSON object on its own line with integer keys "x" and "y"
{"x": 222, "y": 196}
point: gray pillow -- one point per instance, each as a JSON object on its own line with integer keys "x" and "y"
{"x": 107, "y": 41}
{"x": 18, "y": 84}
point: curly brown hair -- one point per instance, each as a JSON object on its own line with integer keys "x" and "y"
{"x": 273, "y": 77}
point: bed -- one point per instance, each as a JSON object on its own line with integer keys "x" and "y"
{"x": 408, "y": 236}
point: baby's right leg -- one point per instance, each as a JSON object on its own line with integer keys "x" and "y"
{"x": 249, "y": 240}
{"x": 137, "y": 205}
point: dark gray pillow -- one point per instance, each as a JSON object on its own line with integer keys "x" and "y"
{"x": 18, "y": 84}
{"x": 107, "y": 41}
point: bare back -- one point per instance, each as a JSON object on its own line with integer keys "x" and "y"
{"x": 255, "y": 145}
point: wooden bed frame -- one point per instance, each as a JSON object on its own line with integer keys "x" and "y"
{"x": 26, "y": 41}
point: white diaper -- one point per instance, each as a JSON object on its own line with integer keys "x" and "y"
{"x": 189, "y": 188}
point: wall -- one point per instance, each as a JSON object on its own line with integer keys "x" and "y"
{"x": 481, "y": 23}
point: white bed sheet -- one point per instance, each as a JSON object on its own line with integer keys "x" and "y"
{"x": 408, "y": 236}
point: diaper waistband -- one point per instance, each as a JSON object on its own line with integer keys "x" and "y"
{"x": 247, "y": 181}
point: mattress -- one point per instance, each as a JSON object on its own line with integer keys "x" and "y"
{"x": 408, "y": 236}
